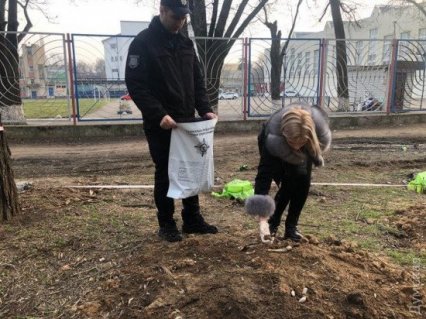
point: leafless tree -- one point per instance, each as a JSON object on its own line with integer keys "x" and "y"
{"x": 277, "y": 53}
{"x": 419, "y": 5}
{"x": 337, "y": 7}
{"x": 222, "y": 22}
{"x": 10, "y": 37}
{"x": 95, "y": 70}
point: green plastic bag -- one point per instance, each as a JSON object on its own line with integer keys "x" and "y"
{"x": 238, "y": 189}
{"x": 418, "y": 184}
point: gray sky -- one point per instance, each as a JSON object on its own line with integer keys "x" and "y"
{"x": 104, "y": 16}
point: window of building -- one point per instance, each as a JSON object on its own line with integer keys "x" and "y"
{"x": 299, "y": 63}
{"x": 113, "y": 46}
{"x": 372, "y": 48}
{"x": 333, "y": 52}
{"x": 387, "y": 48}
{"x": 359, "y": 47}
{"x": 307, "y": 60}
{"x": 422, "y": 34}
{"x": 29, "y": 51}
{"x": 41, "y": 71}
{"x": 404, "y": 46}
{"x": 292, "y": 61}
{"x": 112, "y": 59}
{"x": 404, "y": 35}
{"x": 299, "y": 59}
{"x": 316, "y": 60}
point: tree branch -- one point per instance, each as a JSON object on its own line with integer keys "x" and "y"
{"x": 350, "y": 13}
{"x": 198, "y": 17}
{"x": 214, "y": 18}
{"x": 284, "y": 49}
{"x": 418, "y": 5}
{"x": 223, "y": 17}
{"x": 236, "y": 18}
{"x": 250, "y": 17}
{"x": 29, "y": 24}
{"x": 325, "y": 11}
{"x": 3, "y": 22}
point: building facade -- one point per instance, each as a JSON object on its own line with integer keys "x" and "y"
{"x": 117, "y": 47}
{"x": 369, "y": 45}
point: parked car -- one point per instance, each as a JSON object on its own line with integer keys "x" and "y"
{"x": 125, "y": 97}
{"x": 228, "y": 95}
{"x": 289, "y": 93}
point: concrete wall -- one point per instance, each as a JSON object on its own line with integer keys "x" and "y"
{"x": 28, "y": 133}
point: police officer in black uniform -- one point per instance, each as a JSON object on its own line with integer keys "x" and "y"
{"x": 165, "y": 81}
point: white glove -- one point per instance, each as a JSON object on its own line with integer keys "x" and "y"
{"x": 265, "y": 234}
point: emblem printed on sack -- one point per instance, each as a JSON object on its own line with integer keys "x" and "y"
{"x": 134, "y": 61}
{"x": 202, "y": 147}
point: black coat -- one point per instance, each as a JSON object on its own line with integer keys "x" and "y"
{"x": 164, "y": 77}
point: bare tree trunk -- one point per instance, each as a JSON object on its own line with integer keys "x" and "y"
{"x": 341, "y": 56}
{"x": 277, "y": 54}
{"x": 276, "y": 59}
{"x": 10, "y": 96}
{"x": 215, "y": 52}
{"x": 2, "y": 16}
{"x": 9, "y": 202}
{"x": 218, "y": 49}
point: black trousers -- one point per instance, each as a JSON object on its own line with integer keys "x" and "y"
{"x": 294, "y": 182}
{"x": 293, "y": 191}
{"x": 159, "y": 146}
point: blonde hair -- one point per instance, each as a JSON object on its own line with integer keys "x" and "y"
{"x": 297, "y": 126}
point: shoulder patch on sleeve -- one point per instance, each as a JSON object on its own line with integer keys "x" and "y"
{"x": 134, "y": 61}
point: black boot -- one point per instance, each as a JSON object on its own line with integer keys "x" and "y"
{"x": 292, "y": 234}
{"x": 196, "y": 224}
{"x": 169, "y": 232}
{"x": 273, "y": 228}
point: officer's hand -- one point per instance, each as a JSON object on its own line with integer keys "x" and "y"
{"x": 210, "y": 116}
{"x": 167, "y": 123}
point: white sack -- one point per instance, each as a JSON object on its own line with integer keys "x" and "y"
{"x": 191, "y": 167}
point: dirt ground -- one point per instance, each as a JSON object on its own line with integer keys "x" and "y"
{"x": 90, "y": 253}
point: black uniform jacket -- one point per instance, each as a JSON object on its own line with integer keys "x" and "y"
{"x": 163, "y": 76}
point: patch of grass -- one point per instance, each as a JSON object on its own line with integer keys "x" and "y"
{"x": 373, "y": 214}
{"x": 50, "y": 108}
{"x": 370, "y": 243}
{"x": 250, "y": 225}
{"x": 343, "y": 215}
{"x": 60, "y": 242}
{"x": 407, "y": 257}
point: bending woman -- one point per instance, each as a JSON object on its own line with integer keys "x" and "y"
{"x": 291, "y": 141}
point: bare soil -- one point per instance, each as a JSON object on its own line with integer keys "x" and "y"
{"x": 90, "y": 253}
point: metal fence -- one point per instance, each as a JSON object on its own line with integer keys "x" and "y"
{"x": 80, "y": 77}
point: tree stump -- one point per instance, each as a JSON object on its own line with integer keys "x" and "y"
{"x": 9, "y": 203}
